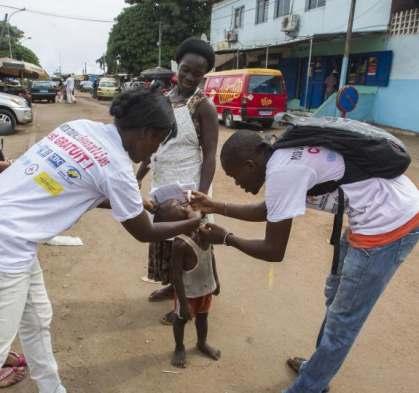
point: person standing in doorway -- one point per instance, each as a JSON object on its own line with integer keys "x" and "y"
{"x": 331, "y": 83}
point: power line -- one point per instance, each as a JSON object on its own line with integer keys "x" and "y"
{"x": 51, "y": 14}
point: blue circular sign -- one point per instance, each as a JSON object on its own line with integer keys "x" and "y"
{"x": 347, "y": 98}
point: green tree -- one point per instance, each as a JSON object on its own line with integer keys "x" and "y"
{"x": 133, "y": 39}
{"x": 19, "y": 51}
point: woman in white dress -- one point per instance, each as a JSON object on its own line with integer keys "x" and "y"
{"x": 189, "y": 158}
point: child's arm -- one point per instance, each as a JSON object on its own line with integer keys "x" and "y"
{"x": 178, "y": 257}
{"x": 214, "y": 268}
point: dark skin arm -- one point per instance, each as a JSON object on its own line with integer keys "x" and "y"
{"x": 178, "y": 257}
{"x": 253, "y": 212}
{"x": 4, "y": 165}
{"x": 142, "y": 171}
{"x": 143, "y": 230}
{"x": 208, "y": 125}
{"x": 214, "y": 268}
{"x": 271, "y": 248}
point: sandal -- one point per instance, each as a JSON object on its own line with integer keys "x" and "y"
{"x": 295, "y": 365}
{"x": 20, "y": 360}
{"x": 168, "y": 319}
{"x": 159, "y": 295}
{"x": 9, "y": 376}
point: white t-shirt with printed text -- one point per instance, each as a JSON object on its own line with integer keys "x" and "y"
{"x": 70, "y": 171}
{"x": 374, "y": 206}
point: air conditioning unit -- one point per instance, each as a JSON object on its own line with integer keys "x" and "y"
{"x": 232, "y": 36}
{"x": 290, "y": 23}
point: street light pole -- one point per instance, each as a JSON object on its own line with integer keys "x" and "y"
{"x": 345, "y": 60}
{"x": 5, "y": 22}
{"x": 160, "y": 37}
{"x": 3, "y": 30}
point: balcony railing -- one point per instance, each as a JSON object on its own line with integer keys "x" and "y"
{"x": 405, "y": 22}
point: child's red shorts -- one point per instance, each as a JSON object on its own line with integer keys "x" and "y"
{"x": 198, "y": 305}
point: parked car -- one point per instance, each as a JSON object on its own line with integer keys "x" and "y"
{"x": 14, "y": 110}
{"x": 250, "y": 94}
{"x": 43, "y": 90}
{"x": 107, "y": 88}
{"x": 86, "y": 86}
{"x": 16, "y": 89}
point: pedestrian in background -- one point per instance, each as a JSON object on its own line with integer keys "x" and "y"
{"x": 69, "y": 87}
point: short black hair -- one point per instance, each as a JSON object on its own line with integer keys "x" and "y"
{"x": 197, "y": 47}
{"x": 240, "y": 147}
{"x": 143, "y": 108}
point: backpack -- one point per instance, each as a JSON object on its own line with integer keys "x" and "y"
{"x": 367, "y": 151}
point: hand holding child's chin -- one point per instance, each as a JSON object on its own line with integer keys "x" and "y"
{"x": 191, "y": 213}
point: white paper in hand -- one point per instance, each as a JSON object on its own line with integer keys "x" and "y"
{"x": 171, "y": 191}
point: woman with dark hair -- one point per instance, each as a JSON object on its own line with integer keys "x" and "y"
{"x": 189, "y": 158}
{"x": 80, "y": 165}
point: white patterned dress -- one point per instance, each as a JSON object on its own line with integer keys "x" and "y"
{"x": 179, "y": 160}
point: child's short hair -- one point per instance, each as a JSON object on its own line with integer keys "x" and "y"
{"x": 170, "y": 210}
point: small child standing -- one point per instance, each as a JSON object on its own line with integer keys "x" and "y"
{"x": 194, "y": 276}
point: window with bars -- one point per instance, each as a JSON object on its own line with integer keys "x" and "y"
{"x": 262, "y": 7}
{"x": 282, "y": 7}
{"x": 311, "y": 4}
{"x": 238, "y": 17}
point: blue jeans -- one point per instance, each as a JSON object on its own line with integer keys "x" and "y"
{"x": 362, "y": 277}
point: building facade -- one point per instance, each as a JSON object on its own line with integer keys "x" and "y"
{"x": 305, "y": 40}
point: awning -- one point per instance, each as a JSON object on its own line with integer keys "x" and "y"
{"x": 157, "y": 73}
{"x": 297, "y": 40}
{"x": 17, "y": 68}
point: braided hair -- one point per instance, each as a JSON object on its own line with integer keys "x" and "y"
{"x": 143, "y": 108}
{"x": 197, "y": 47}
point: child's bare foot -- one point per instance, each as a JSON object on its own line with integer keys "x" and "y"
{"x": 179, "y": 358}
{"x": 11, "y": 375}
{"x": 211, "y": 352}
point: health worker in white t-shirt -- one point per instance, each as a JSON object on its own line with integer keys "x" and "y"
{"x": 383, "y": 217}
{"x": 80, "y": 165}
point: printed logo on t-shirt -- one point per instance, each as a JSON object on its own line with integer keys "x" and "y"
{"x": 69, "y": 174}
{"x": 31, "y": 169}
{"x": 44, "y": 151}
{"x": 48, "y": 184}
{"x": 55, "y": 160}
{"x": 331, "y": 156}
{"x": 297, "y": 154}
{"x": 313, "y": 150}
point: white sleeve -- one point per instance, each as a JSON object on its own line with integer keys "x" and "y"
{"x": 121, "y": 188}
{"x": 286, "y": 191}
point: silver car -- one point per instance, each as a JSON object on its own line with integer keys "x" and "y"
{"x": 14, "y": 110}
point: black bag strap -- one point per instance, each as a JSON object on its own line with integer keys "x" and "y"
{"x": 2, "y": 157}
{"x": 337, "y": 231}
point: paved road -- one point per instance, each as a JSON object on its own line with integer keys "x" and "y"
{"x": 107, "y": 338}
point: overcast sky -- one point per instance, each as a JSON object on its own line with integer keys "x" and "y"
{"x": 69, "y": 41}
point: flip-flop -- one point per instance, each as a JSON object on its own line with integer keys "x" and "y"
{"x": 6, "y": 372}
{"x": 20, "y": 358}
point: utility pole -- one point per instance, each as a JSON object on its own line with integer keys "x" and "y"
{"x": 3, "y": 30}
{"x": 9, "y": 39}
{"x": 160, "y": 36}
{"x": 345, "y": 60}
